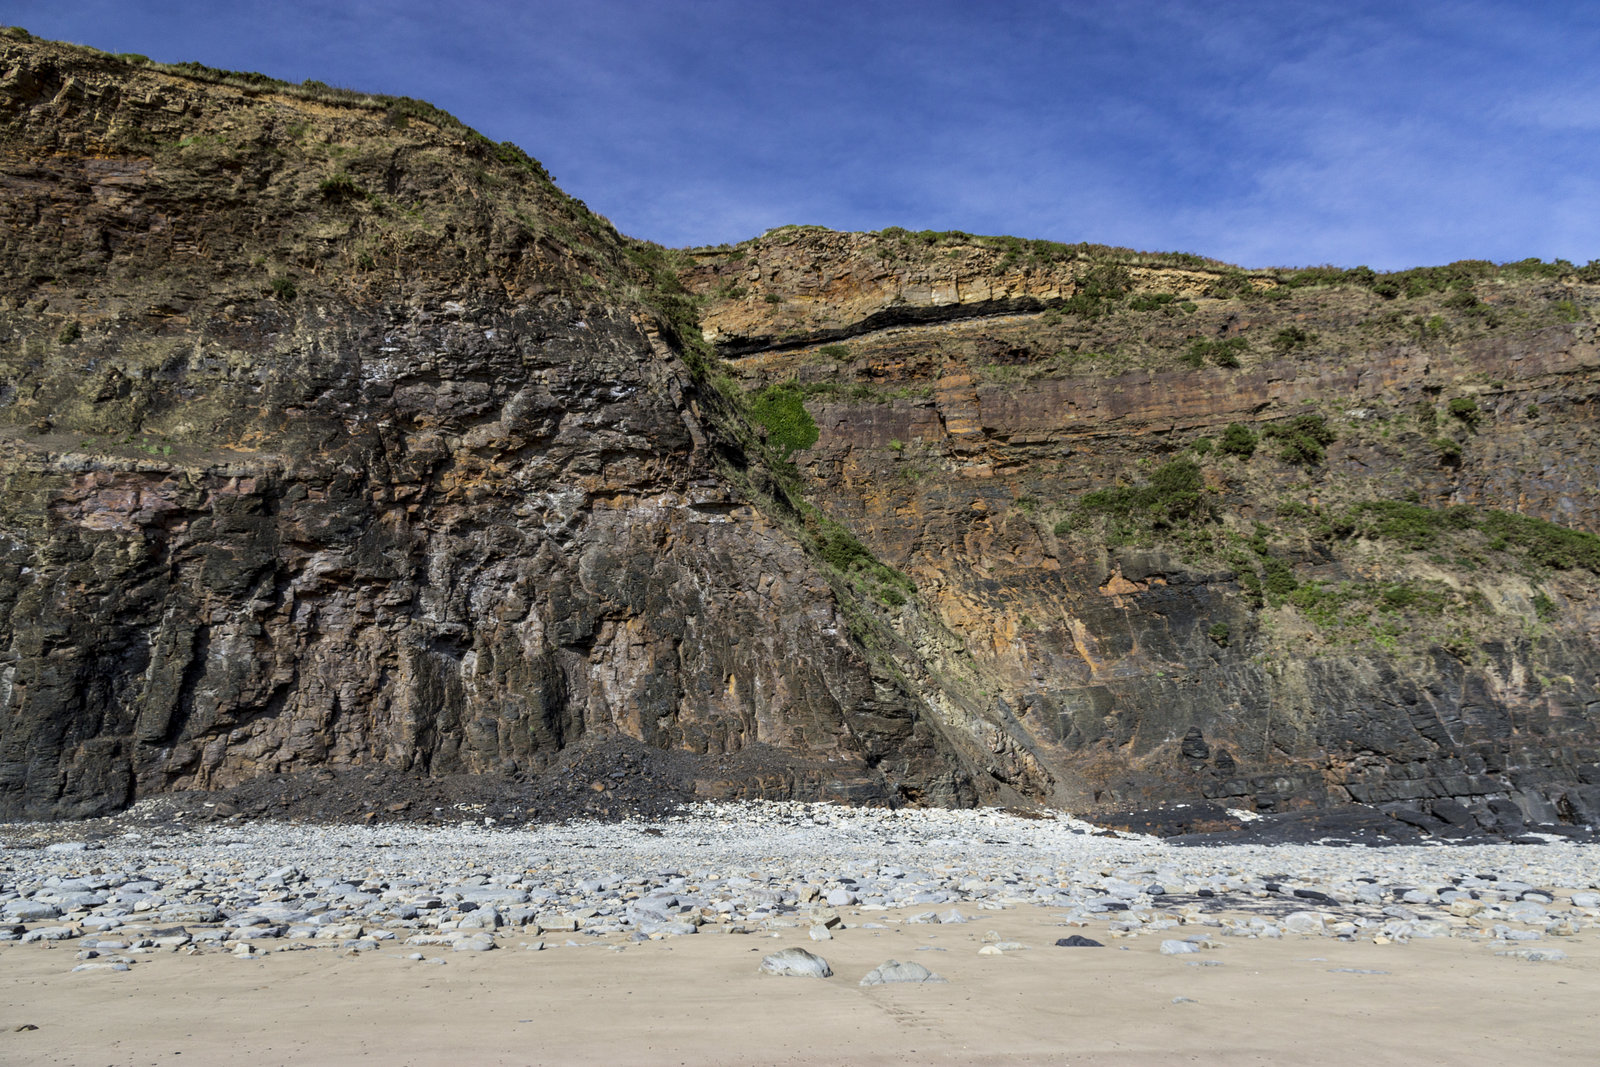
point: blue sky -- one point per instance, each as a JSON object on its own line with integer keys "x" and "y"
{"x": 1392, "y": 134}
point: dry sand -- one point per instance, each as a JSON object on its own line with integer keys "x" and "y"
{"x": 701, "y": 1000}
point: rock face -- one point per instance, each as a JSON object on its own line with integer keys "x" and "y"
{"x": 1269, "y": 643}
{"x": 332, "y": 439}
{"x": 333, "y": 436}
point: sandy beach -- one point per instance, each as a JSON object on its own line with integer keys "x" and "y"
{"x": 401, "y": 946}
{"x": 701, "y": 1000}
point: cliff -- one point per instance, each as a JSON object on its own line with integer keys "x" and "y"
{"x": 332, "y": 435}
{"x": 1277, "y": 539}
{"x": 336, "y": 438}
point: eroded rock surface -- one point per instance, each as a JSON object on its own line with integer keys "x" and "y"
{"x": 333, "y": 438}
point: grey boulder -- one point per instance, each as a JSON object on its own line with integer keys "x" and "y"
{"x": 796, "y": 963}
{"x": 894, "y": 971}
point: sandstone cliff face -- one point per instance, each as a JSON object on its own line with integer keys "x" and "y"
{"x": 961, "y": 436}
{"x": 336, "y": 436}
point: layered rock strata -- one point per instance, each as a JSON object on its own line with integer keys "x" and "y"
{"x": 1146, "y": 666}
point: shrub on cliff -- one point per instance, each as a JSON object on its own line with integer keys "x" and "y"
{"x": 1174, "y": 495}
{"x": 1417, "y": 527}
{"x": 1290, "y": 338}
{"x": 1239, "y": 440}
{"x": 1099, "y": 289}
{"x": 781, "y": 409}
{"x": 1466, "y": 409}
{"x": 1224, "y": 353}
{"x": 1303, "y": 439}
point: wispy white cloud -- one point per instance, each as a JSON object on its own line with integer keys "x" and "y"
{"x": 1342, "y": 130}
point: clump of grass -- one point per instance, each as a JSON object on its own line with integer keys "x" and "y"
{"x": 340, "y": 187}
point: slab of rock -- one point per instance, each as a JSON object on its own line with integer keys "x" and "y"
{"x": 476, "y": 943}
{"x": 895, "y": 971}
{"x": 796, "y": 963}
{"x": 1537, "y": 955}
{"x": 1078, "y": 941}
{"x": 1303, "y": 922}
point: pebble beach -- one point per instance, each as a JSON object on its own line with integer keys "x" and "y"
{"x": 927, "y": 904}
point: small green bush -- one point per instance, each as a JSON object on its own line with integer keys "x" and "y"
{"x": 1397, "y": 597}
{"x": 1291, "y": 338}
{"x": 1099, "y": 288}
{"x": 1413, "y": 525}
{"x": 283, "y": 289}
{"x": 1250, "y": 582}
{"x": 1466, "y": 409}
{"x": 1219, "y": 632}
{"x": 1239, "y": 440}
{"x": 1303, "y": 439}
{"x": 1544, "y": 543}
{"x": 1151, "y": 301}
{"x": 773, "y": 298}
{"x": 836, "y": 351}
{"x": 1231, "y": 285}
{"x": 69, "y": 333}
{"x": 1449, "y": 449}
{"x": 1543, "y": 606}
{"x": 1224, "y": 353}
{"x": 1278, "y": 578}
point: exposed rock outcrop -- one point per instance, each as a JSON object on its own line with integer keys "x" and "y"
{"x": 333, "y": 437}
{"x": 1273, "y": 648}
